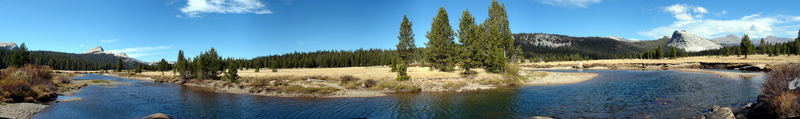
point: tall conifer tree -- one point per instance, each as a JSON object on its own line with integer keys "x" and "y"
{"x": 405, "y": 49}
{"x": 746, "y": 46}
{"x": 470, "y": 46}
{"x": 441, "y": 51}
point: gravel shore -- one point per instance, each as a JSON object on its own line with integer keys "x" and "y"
{"x": 20, "y": 110}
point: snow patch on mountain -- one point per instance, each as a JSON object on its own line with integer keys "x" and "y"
{"x": 8, "y": 45}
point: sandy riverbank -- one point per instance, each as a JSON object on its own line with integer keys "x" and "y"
{"x": 539, "y": 78}
{"x": 724, "y": 74}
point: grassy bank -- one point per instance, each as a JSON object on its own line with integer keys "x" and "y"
{"x": 29, "y": 83}
{"x": 781, "y": 91}
{"x": 363, "y": 81}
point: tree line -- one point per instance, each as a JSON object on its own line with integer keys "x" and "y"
{"x": 746, "y": 47}
{"x": 59, "y": 60}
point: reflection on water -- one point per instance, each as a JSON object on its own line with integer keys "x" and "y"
{"x": 614, "y": 94}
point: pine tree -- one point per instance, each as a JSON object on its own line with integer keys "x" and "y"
{"x": 797, "y": 44}
{"x": 20, "y": 56}
{"x": 497, "y": 40}
{"x": 274, "y": 66}
{"x": 673, "y": 53}
{"x": 139, "y": 68}
{"x": 208, "y": 65}
{"x": 182, "y": 66}
{"x": 162, "y": 66}
{"x": 120, "y": 65}
{"x": 232, "y": 73}
{"x": 470, "y": 46}
{"x": 498, "y": 19}
{"x": 746, "y": 46}
{"x": 441, "y": 51}
{"x": 405, "y": 49}
{"x": 761, "y": 48}
{"x": 660, "y": 52}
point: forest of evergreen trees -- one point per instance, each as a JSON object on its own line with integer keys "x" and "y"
{"x": 319, "y": 59}
{"x": 63, "y": 61}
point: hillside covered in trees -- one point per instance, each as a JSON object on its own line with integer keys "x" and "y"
{"x": 70, "y": 61}
{"x": 554, "y": 47}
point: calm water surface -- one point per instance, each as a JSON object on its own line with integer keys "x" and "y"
{"x": 613, "y": 94}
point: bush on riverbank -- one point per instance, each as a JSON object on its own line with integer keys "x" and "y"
{"x": 27, "y": 84}
{"x": 397, "y": 86}
{"x": 785, "y": 102}
{"x": 323, "y": 90}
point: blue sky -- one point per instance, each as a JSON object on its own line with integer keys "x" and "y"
{"x": 153, "y": 29}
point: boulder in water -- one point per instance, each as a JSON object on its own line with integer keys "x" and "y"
{"x": 157, "y": 116}
{"x": 720, "y": 113}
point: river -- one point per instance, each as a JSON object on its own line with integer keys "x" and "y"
{"x": 613, "y": 94}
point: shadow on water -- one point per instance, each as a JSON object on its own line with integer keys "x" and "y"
{"x": 613, "y": 94}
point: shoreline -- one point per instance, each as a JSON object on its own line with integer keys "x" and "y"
{"x": 26, "y": 110}
{"x": 358, "y": 90}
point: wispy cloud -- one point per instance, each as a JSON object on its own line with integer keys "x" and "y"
{"x": 570, "y": 3}
{"x": 140, "y": 51}
{"x": 195, "y": 8}
{"x": 109, "y": 41}
{"x": 690, "y": 18}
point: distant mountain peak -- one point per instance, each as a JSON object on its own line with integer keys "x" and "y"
{"x": 8, "y": 45}
{"x": 95, "y": 50}
{"x": 100, "y": 50}
{"x": 691, "y": 42}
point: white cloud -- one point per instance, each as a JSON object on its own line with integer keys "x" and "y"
{"x": 109, "y": 41}
{"x": 194, "y": 8}
{"x": 690, "y": 18}
{"x": 686, "y": 13}
{"x": 140, "y": 51}
{"x": 570, "y": 3}
{"x": 137, "y": 55}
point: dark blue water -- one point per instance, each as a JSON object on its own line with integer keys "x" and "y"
{"x": 613, "y": 94}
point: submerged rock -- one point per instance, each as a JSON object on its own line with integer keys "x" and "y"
{"x": 720, "y": 113}
{"x": 157, "y": 116}
{"x": 538, "y": 117}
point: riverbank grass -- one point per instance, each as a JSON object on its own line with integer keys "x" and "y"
{"x": 780, "y": 91}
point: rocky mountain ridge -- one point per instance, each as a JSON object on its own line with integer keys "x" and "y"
{"x": 691, "y": 42}
{"x": 8, "y": 45}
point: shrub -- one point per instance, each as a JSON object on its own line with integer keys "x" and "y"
{"x": 348, "y": 79}
{"x": 327, "y": 78}
{"x": 27, "y": 84}
{"x": 269, "y": 81}
{"x": 777, "y": 93}
{"x": 369, "y": 83}
{"x": 454, "y": 85}
{"x": 309, "y": 90}
{"x": 397, "y": 86}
